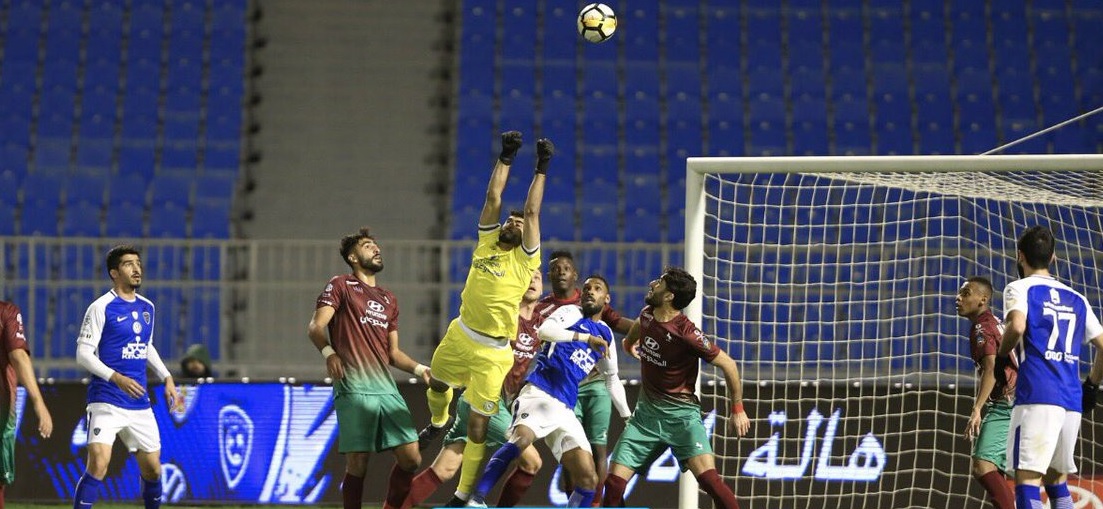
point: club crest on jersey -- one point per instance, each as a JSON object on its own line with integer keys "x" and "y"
{"x": 137, "y": 328}
{"x": 329, "y": 288}
{"x": 488, "y": 406}
{"x": 1054, "y": 296}
{"x": 146, "y": 317}
{"x": 235, "y": 443}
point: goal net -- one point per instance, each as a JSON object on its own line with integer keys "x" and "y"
{"x": 831, "y": 281}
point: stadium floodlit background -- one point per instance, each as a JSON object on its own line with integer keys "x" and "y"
{"x": 236, "y": 140}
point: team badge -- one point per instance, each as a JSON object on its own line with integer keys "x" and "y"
{"x": 235, "y": 443}
{"x": 488, "y": 406}
{"x": 145, "y": 317}
{"x": 137, "y": 327}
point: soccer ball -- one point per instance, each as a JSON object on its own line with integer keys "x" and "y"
{"x": 596, "y": 22}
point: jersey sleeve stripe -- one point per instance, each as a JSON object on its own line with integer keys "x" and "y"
{"x": 531, "y": 251}
{"x": 489, "y": 227}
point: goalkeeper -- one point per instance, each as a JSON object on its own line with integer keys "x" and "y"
{"x": 995, "y": 392}
{"x": 475, "y": 351}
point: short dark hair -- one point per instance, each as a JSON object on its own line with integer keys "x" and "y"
{"x": 516, "y": 213}
{"x": 115, "y": 255}
{"x": 561, "y": 254}
{"x": 982, "y": 282}
{"x": 601, "y": 278}
{"x": 349, "y": 242}
{"x": 681, "y": 284}
{"x": 1037, "y": 245}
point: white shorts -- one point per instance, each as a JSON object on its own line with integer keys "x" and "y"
{"x": 137, "y": 428}
{"x": 1042, "y": 437}
{"x": 549, "y": 419}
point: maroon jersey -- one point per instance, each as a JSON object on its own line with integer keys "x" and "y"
{"x": 670, "y": 353}
{"x": 985, "y": 335}
{"x": 363, "y": 319}
{"x": 549, "y": 303}
{"x": 525, "y": 349}
{"x": 11, "y": 335}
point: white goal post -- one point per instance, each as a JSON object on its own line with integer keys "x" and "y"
{"x": 831, "y": 281}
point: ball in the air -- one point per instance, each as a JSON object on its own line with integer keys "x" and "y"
{"x": 597, "y": 22}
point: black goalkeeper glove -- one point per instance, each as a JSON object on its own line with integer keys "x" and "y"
{"x": 511, "y": 143}
{"x": 1091, "y": 392}
{"x": 544, "y": 152}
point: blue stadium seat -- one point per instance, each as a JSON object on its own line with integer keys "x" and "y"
{"x": 127, "y": 188}
{"x": 85, "y": 188}
{"x": 168, "y": 219}
{"x": 39, "y": 218}
{"x": 180, "y": 158}
{"x": 557, "y": 221}
{"x": 682, "y": 34}
{"x": 206, "y": 263}
{"x": 519, "y": 42}
{"x": 642, "y": 225}
{"x": 598, "y": 222}
{"x": 42, "y": 187}
{"x": 211, "y": 219}
{"x": 136, "y": 159}
{"x": 464, "y": 223}
{"x": 223, "y": 127}
{"x": 172, "y": 189}
{"x": 215, "y": 188}
{"x": 124, "y": 219}
{"x": 643, "y": 190}
{"x": 71, "y": 305}
{"x": 204, "y": 311}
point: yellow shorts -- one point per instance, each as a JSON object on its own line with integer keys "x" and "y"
{"x": 460, "y": 361}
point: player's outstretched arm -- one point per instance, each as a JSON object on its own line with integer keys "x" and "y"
{"x": 24, "y": 371}
{"x": 984, "y": 390}
{"x": 1013, "y": 331}
{"x": 609, "y": 368}
{"x": 530, "y": 234}
{"x": 492, "y": 207}
{"x": 632, "y": 339}
{"x": 318, "y": 332}
{"x": 738, "y": 417}
{"x": 400, "y": 360}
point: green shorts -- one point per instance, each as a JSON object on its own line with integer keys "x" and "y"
{"x": 372, "y": 422}
{"x": 7, "y": 448}
{"x": 991, "y": 442}
{"x": 594, "y": 408}
{"x": 654, "y": 427}
{"x": 495, "y": 432}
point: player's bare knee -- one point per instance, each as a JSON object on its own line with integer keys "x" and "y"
{"x": 356, "y": 463}
{"x": 1054, "y": 477}
{"x": 476, "y": 427}
{"x": 530, "y": 461}
{"x": 980, "y": 468}
{"x": 585, "y": 477}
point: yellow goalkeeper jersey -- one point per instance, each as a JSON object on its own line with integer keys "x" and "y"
{"x": 495, "y": 284}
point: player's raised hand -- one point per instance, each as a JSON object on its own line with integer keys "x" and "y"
{"x": 544, "y": 152}
{"x": 511, "y": 143}
{"x": 335, "y": 367}
{"x": 128, "y": 385}
{"x": 739, "y": 422}
{"x": 972, "y": 429}
{"x": 632, "y": 348}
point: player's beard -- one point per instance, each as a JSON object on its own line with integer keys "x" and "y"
{"x": 653, "y": 300}
{"x": 510, "y": 236}
{"x": 590, "y": 309}
{"x": 371, "y": 265}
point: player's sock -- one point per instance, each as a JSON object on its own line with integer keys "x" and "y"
{"x": 599, "y": 490}
{"x": 423, "y": 485}
{"x": 495, "y": 468}
{"x": 1028, "y": 497}
{"x": 516, "y": 485}
{"x": 151, "y": 493}
{"x": 438, "y": 406}
{"x": 473, "y": 454}
{"x": 1002, "y": 497}
{"x": 580, "y": 498}
{"x": 352, "y": 491}
{"x": 1059, "y": 496}
{"x": 88, "y": 490}
{"x": 721, "y": 494}
{"x": 614, "y": 491}
{"x": 398, "y": 486}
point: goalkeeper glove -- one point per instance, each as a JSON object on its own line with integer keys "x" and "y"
{"x": 544, "y": 152}
{"x": 1091, "y": 391}
{"x": 511, "y": 143}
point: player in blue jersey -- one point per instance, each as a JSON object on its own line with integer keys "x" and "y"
{"x": 116, "y": 346}
{"x": 577, "y": 341}
{"x": 1051, "y": 321}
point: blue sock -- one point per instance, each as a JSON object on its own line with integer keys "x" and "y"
{"x": 1028, "y": 497}
{"x": 495, "y": 468}
{"x": 581, "y": 498}
{"x": 1059, "y": 496}
{"x": 151, "y": 493}
{"x": 88, "y": 490}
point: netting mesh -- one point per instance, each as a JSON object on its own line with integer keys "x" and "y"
{"x": 835, "y": 292}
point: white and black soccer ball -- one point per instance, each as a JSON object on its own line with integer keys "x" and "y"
{"x": 597, "y": 22}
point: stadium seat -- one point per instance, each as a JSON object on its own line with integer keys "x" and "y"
{"x": 125, "y": 220}
{"x": 211, "y": 219}
{"x": 167, "y": 219}
{"x": 599, "y": 222}
{"x": 558, "y": 222}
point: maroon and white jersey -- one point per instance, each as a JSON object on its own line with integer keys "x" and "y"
{"x": 525, "y": 349}
{"x": 669, "y": 354}
{"x": 985, "y": 335}
{"x": 363, "y": 319}
{"x": 11, "y": 339}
